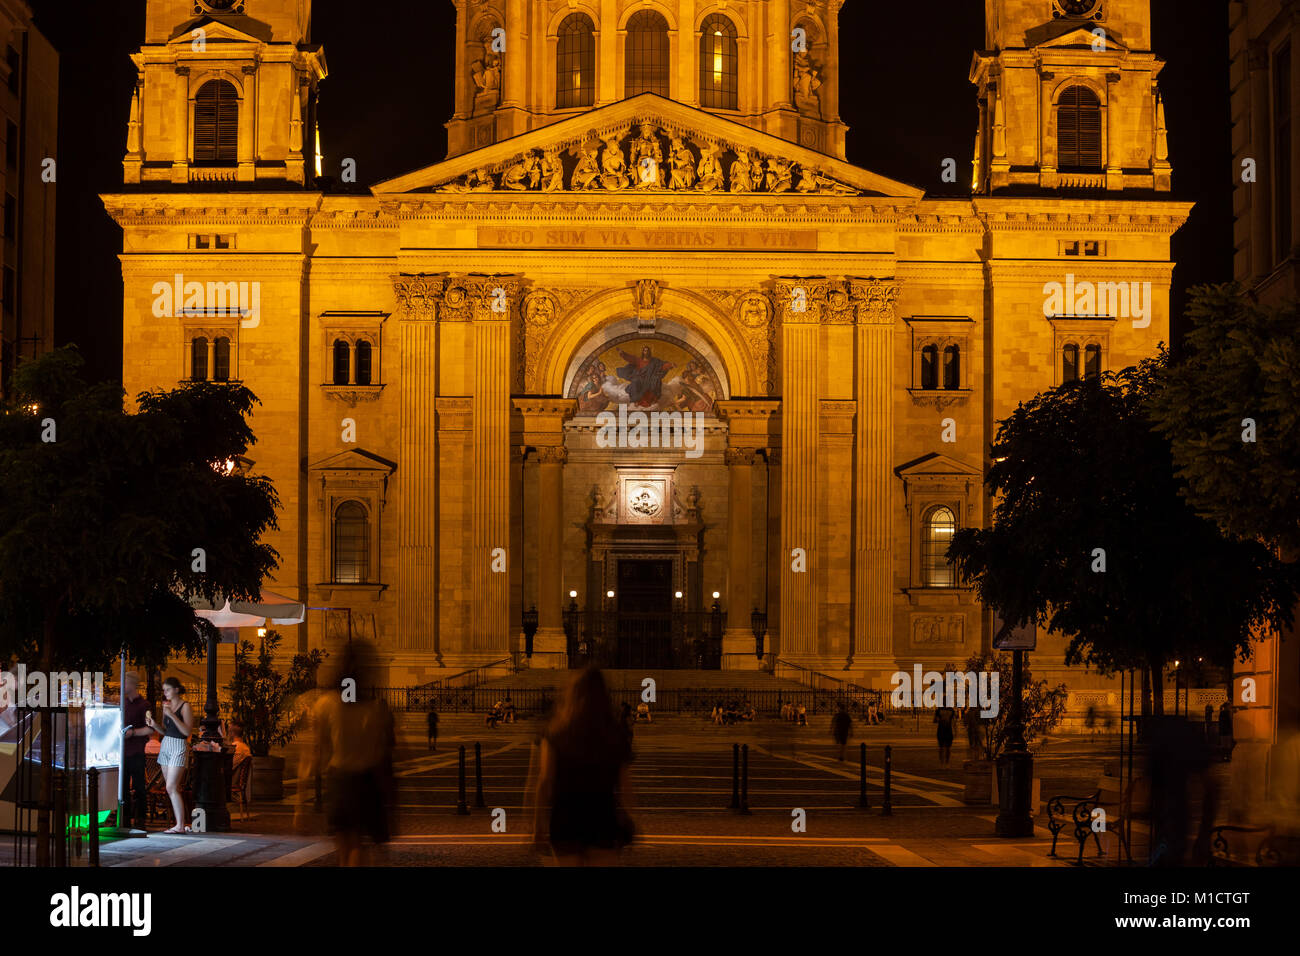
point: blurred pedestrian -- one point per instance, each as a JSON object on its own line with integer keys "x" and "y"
{"x": 841, "y": 726}
{"x": 583, "y": 792}
{"x": 433, "y": 727}
{"x": 944, "y": 718}
{"x": 135, "y": 734}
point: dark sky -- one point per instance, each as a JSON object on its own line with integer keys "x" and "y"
{"x": 904, "y": 94}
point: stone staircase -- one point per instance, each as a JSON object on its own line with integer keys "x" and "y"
{"x": 735, "y": 681}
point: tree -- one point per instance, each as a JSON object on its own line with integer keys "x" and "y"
{"x": 1091, "y": 537}
{"x": 1042, "y": 705}
{"x": 1241, "y": 369}
{"x": 262, "y": 700}
{"x": 111, "y": 522}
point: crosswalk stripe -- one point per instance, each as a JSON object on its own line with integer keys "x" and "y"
{"x": 197, "y": 847}
{"x": 302, "y": 855}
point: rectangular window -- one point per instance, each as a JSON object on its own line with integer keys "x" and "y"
{"x": 1282, "y": 154}
{"x": 222, "y": 242}
{"x": 11, "y": 144}
{"x": 15, "y": 69}
{"x": 11, "y": 216}
{"x": 8, "y": 291}
{"x": 202, "y": 242}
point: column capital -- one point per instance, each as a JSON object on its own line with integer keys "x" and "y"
{"x": 552, "y": 455}
{"x": 418, "y": 296}
{"x": 542, "y": 418}
{"x": 874, "y": 300}
{"x": 743, "y": 457}
{"x": 494, "y": 297}
{"x": 799, "y": 300}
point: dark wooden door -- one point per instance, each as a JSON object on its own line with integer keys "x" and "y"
{"x": 645, "y": 605}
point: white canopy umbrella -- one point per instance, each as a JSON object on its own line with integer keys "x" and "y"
{"x": 270, "y": 608}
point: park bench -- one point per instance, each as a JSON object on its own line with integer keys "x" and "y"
{"x": 1235, "y": 845}
{"x": 1119, "y": 806}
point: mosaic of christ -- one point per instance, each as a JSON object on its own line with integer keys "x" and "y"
{"x": 654, "y": 375}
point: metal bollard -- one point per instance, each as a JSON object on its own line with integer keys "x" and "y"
{"x": 735, "y": 776}
{"x": 888, "y": 808}
{"x": 862, "y": 778}
{"x": 92, "y": 776}
{"x": 462, "y": 807}
{"x": 59, "y": 826}
{"x": 478, "y": 776}
{"x": 744, "y": 779}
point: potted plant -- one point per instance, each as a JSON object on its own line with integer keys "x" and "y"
{"x": 1043, "y": 707}
{"x": 265, "y": 703}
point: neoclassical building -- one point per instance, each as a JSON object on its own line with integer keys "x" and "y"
{"x": 645, "y": 352}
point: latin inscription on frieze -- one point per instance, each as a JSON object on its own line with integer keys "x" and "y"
{"x": 756, "y": 240}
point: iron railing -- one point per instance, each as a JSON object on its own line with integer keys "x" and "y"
{"x": 654, "y": 641}
{"x": 833, "y": 690}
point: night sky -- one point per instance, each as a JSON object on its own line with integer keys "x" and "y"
{"x": 390, "y": 91}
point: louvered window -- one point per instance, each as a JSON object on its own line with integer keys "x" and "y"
{"x": 646, "y": 54}
{"x": 216, "y": 124}
{"x": 1078, "y": 129}
{"x": 718, "y": 63}
{"x": 575, "y": 62}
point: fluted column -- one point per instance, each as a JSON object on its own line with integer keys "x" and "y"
{"x": 418, "y": 300}
{"x": 607, "y": 76}
{"x": 1261, "y": 203}
{"x": 494, "y": 300}
{"x": 515, "y": 55}
{"x": 873, "y": 584}
{"x": 830, "y": 90}
{"x": 799, "y": 302}
{"x": 779, "y": 69}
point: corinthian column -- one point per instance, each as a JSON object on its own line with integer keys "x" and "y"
{"x": 512, "y": 93}
{"x": 418, "y": 299}
{"x": 873, "y": 584}
{"x": 779, "y": 74}
{"x": 799, "y": 302}
{"x": 494, "y": 300}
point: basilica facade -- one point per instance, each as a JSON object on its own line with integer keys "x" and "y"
{"x": 645, "y": 371}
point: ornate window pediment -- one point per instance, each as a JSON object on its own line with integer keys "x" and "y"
{"x": 352, "y": 491}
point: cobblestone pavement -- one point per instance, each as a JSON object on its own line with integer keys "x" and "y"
{"x": 682, "y": 777}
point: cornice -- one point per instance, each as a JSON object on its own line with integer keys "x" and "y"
{"x": 208, "y": 209}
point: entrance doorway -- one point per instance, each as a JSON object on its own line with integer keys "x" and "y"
{"x": 645, "y": 606}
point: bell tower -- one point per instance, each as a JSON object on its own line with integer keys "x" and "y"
{"x": 226, "y": 93}
{"x": 770, "y": 64}
{"x": 1068, "y": 98}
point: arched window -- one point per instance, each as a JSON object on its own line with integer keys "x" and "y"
{"x": 1078, "y": 129}
{"x": 718, "y": 63}
{"x": 930, "y": 367}
{"x": 364, "y": 350}
{"x": 216, "y": 123}
{"x": 221, "y": 359}
{"x": 199, "y": 358}
{"x": 937, "y": 528}
{"x": 342, "y": 362}
{"x": 952, "y": 367}
{"x": 1092, "y": 361}
{"x": 1070, "y": 363}
{"x": 575, "y": 62}
{"x": 646, "y": 54}
{"x": 351, "y": 544}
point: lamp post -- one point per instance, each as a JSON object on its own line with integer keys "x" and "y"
{"x": 571, "y": 627}
{"x": 1016, "y": 764}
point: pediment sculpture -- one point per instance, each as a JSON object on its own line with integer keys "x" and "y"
{"x": 645, "y": 156}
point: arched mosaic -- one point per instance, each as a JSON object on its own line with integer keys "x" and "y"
{"x": 649, "y": 372}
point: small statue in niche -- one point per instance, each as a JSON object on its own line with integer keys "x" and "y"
{"x": 683, "y": 164}
{"x": 647, "y": 159}
{"x": 599, "y": 503}
{"x": 740, "y": 173}
{"x": 551, "y": 172}
{"x": 613, "y": 166}
{"x": 486, "y": 74}
{"x": 807, "y": 81}
{"x": 693, "y": 503}
{"x": 709, "y": 169}
{"x": 586, "y": 175}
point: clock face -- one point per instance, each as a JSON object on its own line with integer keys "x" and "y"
{"x": 1078, "y": 8}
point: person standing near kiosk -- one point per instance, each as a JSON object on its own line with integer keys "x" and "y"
{"x": 135, "y": 733}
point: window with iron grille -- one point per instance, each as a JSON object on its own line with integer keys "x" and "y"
{"x": 216, "y": 124}
{"x": 718, "y": 63}
{"x": 646, "y": 54}
{"x": 1078, "y": 129}
{"x": 937, "y": 529}
{"x": 341, "y": 362}
{"x": 575, "y": 62}
{"x": 351, "y": 544}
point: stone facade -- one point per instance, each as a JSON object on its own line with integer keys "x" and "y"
{"x": 847, "y": 341}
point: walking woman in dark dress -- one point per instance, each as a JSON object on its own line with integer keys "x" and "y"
{"x": 583, "y": 793}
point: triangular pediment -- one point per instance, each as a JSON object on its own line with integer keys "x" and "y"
{"x": 355, "y": 460}
{"x": 609, "y": 150}
{"x": 1074, "y": 37}
{"x": 935, "y": 465}
{"x": 226, "y": 30}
